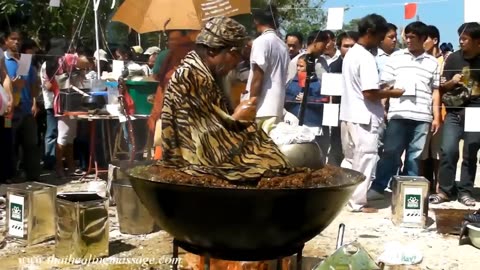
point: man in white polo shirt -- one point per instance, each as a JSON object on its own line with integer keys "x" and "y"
{"x": 361, "y": 109}
{"x": 268, "y": 73}
{"x": 411, "y": 116}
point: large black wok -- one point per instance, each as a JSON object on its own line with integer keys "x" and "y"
{"x": 244, "y": 224}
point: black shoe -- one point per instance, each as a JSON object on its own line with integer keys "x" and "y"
{"x": 473, "y": 218}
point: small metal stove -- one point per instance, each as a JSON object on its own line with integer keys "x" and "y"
{"x": 300, "y": 262}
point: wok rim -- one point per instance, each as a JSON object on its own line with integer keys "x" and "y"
{"x": 360, "y": 176}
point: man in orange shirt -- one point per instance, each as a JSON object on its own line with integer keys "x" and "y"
{"x": 180, "y": 42}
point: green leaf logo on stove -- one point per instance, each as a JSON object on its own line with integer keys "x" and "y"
{"x": 412, "y": 201}
{"x": 16, "y": 212}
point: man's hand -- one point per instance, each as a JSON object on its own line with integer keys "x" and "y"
{"x": 35, "y": 109}
{"x": 457, "y": 78}
{"x": 9, "y": 106}
{"x": 436, "y": 125}
{"x": 396, "y": 93}
{"x": 48, "y": 85}
{"x": 246, "y": 110}
{"x": 299, "y": 97}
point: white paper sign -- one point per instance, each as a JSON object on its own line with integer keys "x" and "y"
{"x": 471, "y": 8}
{"x": 16, "y": 208}
{"x": 407, "y": 83}
{"x": 472, "y": 119}
{"x": 332, "y": 84}
{"x": 335, "y": 18}
{"x": 330, "y": 115}
{"x": 24, "y": 64}
{"x": 54, "y": 3}
{"x": 117, "y": 67}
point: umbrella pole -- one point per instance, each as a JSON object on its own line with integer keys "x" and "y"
{"x": 96, "y": 3}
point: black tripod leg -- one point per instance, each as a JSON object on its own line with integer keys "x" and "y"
{"x": 175, "y": 255}
{"x": 299, "y": 259}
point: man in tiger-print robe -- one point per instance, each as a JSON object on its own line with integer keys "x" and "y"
{"x": 201, "y": 133}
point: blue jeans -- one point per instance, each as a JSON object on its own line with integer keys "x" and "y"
{"x": 50, "y": 139}
{"x": 400, "y": 135}
{"x": 452, "y": 133}
{"x": 140, "y": 133}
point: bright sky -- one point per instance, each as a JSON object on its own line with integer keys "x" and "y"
{"x": 446, "y": 15}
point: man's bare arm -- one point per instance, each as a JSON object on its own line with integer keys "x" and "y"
{"x": 449, "y": 85}
{"x": 257, "y": 79}
{"x": 375, "y": 94}
{"x": 7, "y": 82}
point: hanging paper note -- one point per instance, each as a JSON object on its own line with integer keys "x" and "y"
{"x": 117, "y": 67}
{"x": 24, "y": 64}
{"x": 471, "y": 120}
{"x": 54, "y": 3}
{"x": 332, "y": 84}
{"x": 410, "y": 10}
{"x": 335, "y": 18}
{"x": 330, "y": 115}
{"x": 471, "y": 8}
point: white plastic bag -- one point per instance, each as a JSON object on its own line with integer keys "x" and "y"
{"x": 284, "y": 133}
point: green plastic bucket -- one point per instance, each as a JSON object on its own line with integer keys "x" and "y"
{"x": 140, "y": 91}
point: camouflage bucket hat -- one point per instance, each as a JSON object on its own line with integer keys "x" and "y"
{"x": 221, "y": 32}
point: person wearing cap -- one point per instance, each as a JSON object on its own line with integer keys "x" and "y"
{"x": 152, "y": 50}
{"x": 104, "y": 64}
{"x": 137, "y": 49}
{"x": 201, "y": 132}
{"x": 152, "y": 54}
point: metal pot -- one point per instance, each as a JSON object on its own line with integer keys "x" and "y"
{"x": 93, "y": 102}
{"x": 307, "y": 155}
{"x": 244, "y": 224}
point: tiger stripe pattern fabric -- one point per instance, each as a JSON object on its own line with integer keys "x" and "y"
{"x": 199, "y": 136}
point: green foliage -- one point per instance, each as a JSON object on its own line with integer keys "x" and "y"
{"x": 352, "y": 25}
{"x": 303, "y": 16}
{"x": 39, "y": 20}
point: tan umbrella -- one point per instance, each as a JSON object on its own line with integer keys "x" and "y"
{"x": 158, "y": 15}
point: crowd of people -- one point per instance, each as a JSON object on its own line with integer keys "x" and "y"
{"x": 36, "y": 133}
{"x": 402, "y": 111}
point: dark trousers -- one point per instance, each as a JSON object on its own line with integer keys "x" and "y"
{"x": 335, "y": 155}
{"x": 471, "y": 145}
{"x": 7, "y": 167}
{"x": 453, "y": 131}
{"x": 25, "y": 144}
